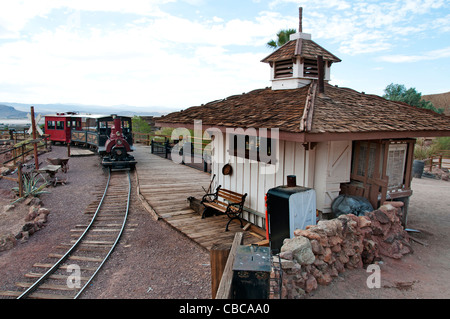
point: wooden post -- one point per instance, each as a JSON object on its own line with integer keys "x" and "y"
{"x": 300, "y": 18}
{"x": 224, "y": 290}
{"x": 19, "y": 178}
{"x": 218, "y": 256}
{"x": 33, "y": 127}
{"x": 321, "y": 74}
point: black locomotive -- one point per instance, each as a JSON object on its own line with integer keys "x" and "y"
{"x": 115, "y": 151}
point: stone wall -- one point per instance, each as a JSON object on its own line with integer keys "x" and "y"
{"x": 317, "y": 255}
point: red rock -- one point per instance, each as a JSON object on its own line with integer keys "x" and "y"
{"x": 316, "y": 247}
{"x": 339, "y": 266}
{"x": 395, "y": 204}
{"x": 349, "y": 252}
{"x": 336, "y": 249}
{"x": 43, "y": 211}
{"x": 334, "y": 240}
{"x": 324, "y": 279}
{"x": 311, "y": 284}
{"x": 333, "y": 271}
{"x": 381, "y": 217}
{"x": 327, "y": 255}
{"x": 363, "y": 221}
{"x": 306, "y": 233}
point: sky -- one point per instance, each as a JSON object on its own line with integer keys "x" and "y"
{"x": 173, "y": 54}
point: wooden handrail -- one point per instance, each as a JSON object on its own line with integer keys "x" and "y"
{"x": 224, "y": 290}
{"x": 23, "y": 150}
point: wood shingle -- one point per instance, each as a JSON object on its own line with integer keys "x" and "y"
{"x": 304, "y": 48}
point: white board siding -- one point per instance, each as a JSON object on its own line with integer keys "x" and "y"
{"x": 333, "y": 164}
{"x": 256, "y": 178}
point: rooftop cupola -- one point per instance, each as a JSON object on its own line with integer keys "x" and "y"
{"x": 297, "y": 62}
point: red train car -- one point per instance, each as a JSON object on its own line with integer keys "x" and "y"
{"x": 60, "y": 125}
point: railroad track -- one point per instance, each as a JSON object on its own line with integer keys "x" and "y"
{"x": 73, "y": 272}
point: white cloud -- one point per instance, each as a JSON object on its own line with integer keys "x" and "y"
{"x": 430, "y": 55}
{"x": 368, "y": 26}
{"x": 16, "y": 14}
{"x": 137, "y": 63}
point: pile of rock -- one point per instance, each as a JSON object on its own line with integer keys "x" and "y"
{"x": 438, "y": 173}
{"x": 35, "y": 220}
{"x": 319, "y": 253}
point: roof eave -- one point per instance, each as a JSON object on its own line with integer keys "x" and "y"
{"x": 375, "y": 135}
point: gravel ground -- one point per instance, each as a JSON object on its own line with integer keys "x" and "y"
{"x": 152, "y": 260}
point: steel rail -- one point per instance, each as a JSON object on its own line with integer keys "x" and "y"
{"x": 115, "y": 242}
{"x": 55, "y": 267}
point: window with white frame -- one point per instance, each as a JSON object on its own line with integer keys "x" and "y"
{"x": 396, "y": 165}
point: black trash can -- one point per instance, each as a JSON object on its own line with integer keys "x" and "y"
{"x": 289, "y": 208}
{"x": 251, "y": 273}
{"x": 417, "y": 169}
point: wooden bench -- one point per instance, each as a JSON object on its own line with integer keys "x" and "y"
{"x": 225, "y": 201}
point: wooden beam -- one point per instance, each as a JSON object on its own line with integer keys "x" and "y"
{"x": 33, "y": 127}
{"x": 218, "y": 258}
{"x": 321, "y": 74}
{"x": 224, "y": 290}
{"x": 409, "y": 163}
{"x": 375, "y": 135}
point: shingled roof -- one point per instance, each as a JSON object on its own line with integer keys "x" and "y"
{"x": 259, "y": 108}
{"x": 305, "y": 111}
{"x": 300, "y": 47}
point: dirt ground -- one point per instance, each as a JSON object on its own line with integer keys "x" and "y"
{"x": 154, "y": 261}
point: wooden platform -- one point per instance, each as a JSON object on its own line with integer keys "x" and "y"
{"x": 165, "y": 186}
{"x": 80, "y": 152}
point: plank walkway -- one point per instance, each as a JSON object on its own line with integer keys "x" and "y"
{"x": 166, "y": 185}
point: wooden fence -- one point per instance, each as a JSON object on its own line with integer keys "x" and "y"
{"x": 22, "y": 147}
{"x": 12, "y": 135}
{"x": 440, "y": 159}
{"x": 163, "y": 144}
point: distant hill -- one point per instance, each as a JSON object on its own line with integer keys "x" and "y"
{"x": 124, "y": 110}
{"x": 441, "y": 101}
{"x": 8, "y": 112}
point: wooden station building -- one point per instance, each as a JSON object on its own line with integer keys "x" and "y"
{"x": 334, "y": 139}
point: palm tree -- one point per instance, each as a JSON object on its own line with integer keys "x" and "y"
{"x": 283, "y": 37}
